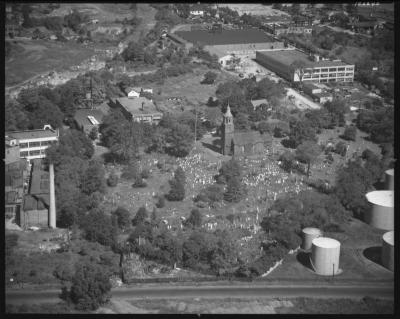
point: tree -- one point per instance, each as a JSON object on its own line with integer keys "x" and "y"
{"x": 123, "y": 217}
{"x": 27, "y": 21}
{"x": 228, "y": 170}
{"x": 195, "y": 218}
{"x": 94, "y": 133}
{"x": 235, "y": 190}
{"x": 15, "y": 117}
{"x": 177, "y": 186}
{"x": 299, "y": 68}
{"x": 308, "y": 152}
{"x": 112, "y": 180}
{"x": 270, "y": 90}
{"x": 350, "y": 133}
{"x": 90, "y": 287}
{"x": 352, "y": 183}
{"x": 241, "y": 122}
{"x": 287, "y": 158}
{"x": 94, "y": 180}
{"x": 301, "y": 131}
{"x": 98, "y": 228}
{"x": 141, "y": 215}
{"x": 180, "y": 140}
{"x": 209, "y": 78}
{"x": 338, "y": 109}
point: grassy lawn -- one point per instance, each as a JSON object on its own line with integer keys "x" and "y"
{"x": 188, "y": 88}
{"x": 35, "y": 57}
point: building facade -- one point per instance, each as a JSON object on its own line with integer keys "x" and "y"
{"x": 323, "y": 71}
{"x": 33, "y": 143}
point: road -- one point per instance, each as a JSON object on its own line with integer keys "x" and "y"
{"x": 238, "y": 291}
{"x": 301, "y": 101}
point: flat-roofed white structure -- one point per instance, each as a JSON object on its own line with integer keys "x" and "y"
{"x": 282, "y": 62}
{"x": 325, "y": 253}
{"x": 33, "y": 143}
{"x": 389, "y": 179}
{"x": 388, "y": 250}
{"x": 381, "y": 211}
{"x": 309, "y": 234}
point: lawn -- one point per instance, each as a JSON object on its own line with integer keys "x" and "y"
{"x": 35, "y": 57}
{"x": 188, "y": 88}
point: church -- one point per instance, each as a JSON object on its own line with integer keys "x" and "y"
{"x": 241, "y": 143}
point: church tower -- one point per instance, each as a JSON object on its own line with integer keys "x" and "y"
{"x": 227, "y": 133}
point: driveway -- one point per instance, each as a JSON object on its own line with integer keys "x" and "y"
{"x": 301, "y": 101}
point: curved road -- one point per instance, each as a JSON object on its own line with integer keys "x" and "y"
{"x": 238, "y": 291}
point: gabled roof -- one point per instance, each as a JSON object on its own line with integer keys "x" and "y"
{"x": 246, "y": 138}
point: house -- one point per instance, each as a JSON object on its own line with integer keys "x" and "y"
{"x": 133, "y": 93}
{"x": 87, "y": 119}
{"x": 138, "y": 109}
{"x": 197, "y": 10}
{"x": 33, "y": 143}
{"x": 311, "y": 89}
{"x": 257, "y": 103}
{"x": 11, "y": 150}
{"x": 241, "y": 143}
{"x": 323, "y": 97}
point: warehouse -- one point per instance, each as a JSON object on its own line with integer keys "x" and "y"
{"x": 226, "y": 43}
{"x": 295, "y": 66}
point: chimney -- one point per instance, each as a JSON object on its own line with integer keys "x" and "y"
{"x": 52, "y": 211}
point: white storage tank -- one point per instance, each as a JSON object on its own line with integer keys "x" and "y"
{"x": 308, "y": 234}
{"x": 381, "y": 211}
{"x": 388, "y": 250}
{"x": 325, "y": 254}
{"x": 389, "y": 179}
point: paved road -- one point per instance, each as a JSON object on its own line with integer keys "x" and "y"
{"x": 301, "y": 101}
{"x": 238, "y": 291}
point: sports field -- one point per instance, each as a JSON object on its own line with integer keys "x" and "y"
{"x": 225, "y": 36}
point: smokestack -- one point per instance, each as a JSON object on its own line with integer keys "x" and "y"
{"x": 52, "y": 211}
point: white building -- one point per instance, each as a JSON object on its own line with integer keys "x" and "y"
{"x": 33, "y": 143}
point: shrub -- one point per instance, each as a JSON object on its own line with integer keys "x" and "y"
{"x": 341, "y": 148}
{"x": 350, "y": 133}
{"x": 112, "y": 180}
{"x": 161, "y": 202}
{"x": 145, "y": 173}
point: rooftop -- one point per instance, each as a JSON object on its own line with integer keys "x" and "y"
{"x": 13, "y": 179}
{"x": 389, "y": 237}
{"x": 222, "y": 50}
{"x": 259, "y": 102}
{"x": 312, "y": 231}
{"x": 134, "y": 106}
{"x": 381, "y": 198}
{"x": 250, "y": 137}
{"x": 21, "y": 135}
{"x": 287, "y": 57}
{"x": 225, "y": 37}
{"x": 325, "y": 242}
{"x": 81, "y": 116}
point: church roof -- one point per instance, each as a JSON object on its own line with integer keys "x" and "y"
{"x": 251, "y": 137}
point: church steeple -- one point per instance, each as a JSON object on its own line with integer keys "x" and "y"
{"x": 227, "y": 130}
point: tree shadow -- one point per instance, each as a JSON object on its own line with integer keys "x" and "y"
{"x": 304, "y": 259}
{"x": 111, "y": 158}
{"x": 380, "y": 185}
{"x": 373, "y": 254}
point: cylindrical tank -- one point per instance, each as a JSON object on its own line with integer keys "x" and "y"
{"x": 389, "y": 179}
{"x": 308, "y": 234}
{"x": 325, "y": 254}
{"x": 388, "y": 250}
{"x": 381, "y": 212}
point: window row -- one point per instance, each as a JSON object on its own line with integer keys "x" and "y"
{"x": 36, "y": 144}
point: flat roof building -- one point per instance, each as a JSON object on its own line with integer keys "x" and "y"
{"x": 139, "y": 109}
{"x": 33, "y": 143}
{"x": 286, "y": 64}
{"x": 87, "y": 119}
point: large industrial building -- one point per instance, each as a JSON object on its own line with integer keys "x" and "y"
{"x": 33, "y": 143}
{"x": 225, "y": 43}
{"x": 286, "y": 63}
